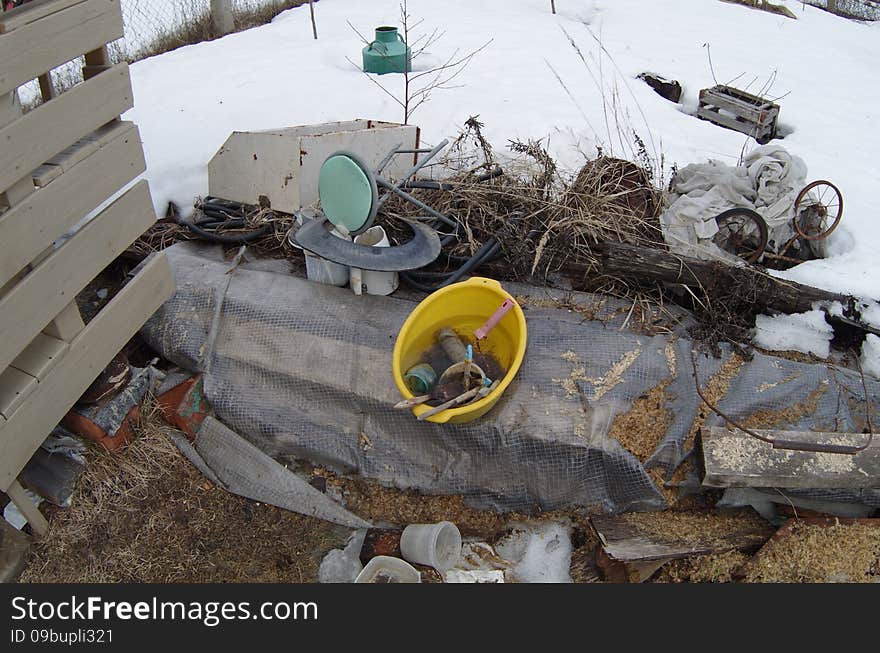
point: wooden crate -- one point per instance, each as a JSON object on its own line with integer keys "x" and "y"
{"x": 58, "y": 163}
{"x": 743, "y": 112}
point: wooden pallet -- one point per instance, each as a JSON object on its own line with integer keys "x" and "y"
{"x": 743, "y": 112}
{"x": 59, "y": 162}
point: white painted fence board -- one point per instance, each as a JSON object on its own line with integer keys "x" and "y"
{"x": 114, "y": 160}
{"x": 32, "y": 11}
{"x": 37, "y": 48}
{"x": 89, "y": 353}
{"x": 32, "y": 303}
{"x": 51, "y": 127}
{"x": 39, "y": 357}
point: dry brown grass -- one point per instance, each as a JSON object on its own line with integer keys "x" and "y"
{"x": 147, "y": 515}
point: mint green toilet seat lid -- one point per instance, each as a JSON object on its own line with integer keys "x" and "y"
{"x": 348, "y": 192}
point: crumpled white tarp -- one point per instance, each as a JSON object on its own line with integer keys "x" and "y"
{"x": 768, "y": 182}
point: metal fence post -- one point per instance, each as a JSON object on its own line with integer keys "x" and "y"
{"x": 221, "y": 16}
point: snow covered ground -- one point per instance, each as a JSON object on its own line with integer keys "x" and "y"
{"x": 825, "y": 67}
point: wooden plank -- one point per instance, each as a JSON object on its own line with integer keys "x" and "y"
{"x": 732, "y": 458}
{"x": 15, "y": 386}
{"x": 643, "y": 537}
{"x": 97, "y": 61}
{"x": 27, "y": 508}
{"x": 38, "y": 47}
{"x": 114, "y": 159}
{"x": 749, "y": 128}
{"x": 32, "y": 303}
{"x": 53, "y": 126}
{"x": 67, "y": 324}
{"x": 89, "y": 353}
{"x": 31, "y": 12}
{"x": 39, "y": 357}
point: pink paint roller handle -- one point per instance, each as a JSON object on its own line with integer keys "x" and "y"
{"x": 484, "y": 330}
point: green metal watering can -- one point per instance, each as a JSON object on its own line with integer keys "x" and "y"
{"x": 389, "y": 53}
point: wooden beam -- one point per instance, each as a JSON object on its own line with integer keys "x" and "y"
{"x": 732, "y": 458}
{"x": 53, "y": 126}
{"x": 89, "y": 353}
{"x": 113, "y": 160}
{"x": 31, "y": 12}
{"x": 32, "y": 303}
{"x": 27, "y": 508}
{"x": 37, "y": 48}
{"x": 633, "y": 262}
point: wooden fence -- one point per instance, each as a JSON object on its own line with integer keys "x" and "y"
{"x": 58, "y": 163}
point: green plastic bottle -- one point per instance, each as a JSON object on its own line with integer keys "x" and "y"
{"x": 389, "y": 53}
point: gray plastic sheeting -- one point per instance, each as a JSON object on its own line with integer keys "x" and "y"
{"x": 303, "y": 371}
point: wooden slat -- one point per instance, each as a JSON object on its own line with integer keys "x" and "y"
{"x": 89, "y": 353}
{"x": 53, "y": 126}
{"x": 112, "y": 161}
{"x": 37, "y": 48}
{"x": 39, "y": 357}
{"x": 27, "y": 508}
{"x": 15, "y": 386}
{"x": 67, "y": 324}
{"x": 32, "y": 11}
{"x": 669, "y": 536}
{"x": 32, "y": 303}
{"x": 732, "y": 458}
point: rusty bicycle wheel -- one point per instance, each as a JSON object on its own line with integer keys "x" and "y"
{"x": 742, "y": 232}
{"x": 818, "y": 210}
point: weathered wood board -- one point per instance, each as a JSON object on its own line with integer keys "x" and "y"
{"x": 732, "y": 458}
{"x": 644, "y": 537}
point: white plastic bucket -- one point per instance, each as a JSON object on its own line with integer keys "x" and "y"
{"x": 320, "y": 269}
{"x": 436, "y": 545}
{"x": 373, "y": 282}
{"x": 386, "y": 569}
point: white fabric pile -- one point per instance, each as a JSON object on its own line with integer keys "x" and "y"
{"x": 768, "y": 182}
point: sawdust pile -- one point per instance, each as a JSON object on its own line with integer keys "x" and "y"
{"x": 792, "y": 414}
{"x": 698, "y": 528}
{"x": 715, "y": 568}
{"x": 715, "y": 390}
{"x": 145, "y": 514}
{"x": 641, "y": 428}
{"x": 812, "y": 553}
{"x": 379, "y": 504}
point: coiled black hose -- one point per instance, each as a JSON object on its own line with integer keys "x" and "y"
{"x": 223, "y": 214}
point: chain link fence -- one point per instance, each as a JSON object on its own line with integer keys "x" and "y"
{"x": 154, "y": 26}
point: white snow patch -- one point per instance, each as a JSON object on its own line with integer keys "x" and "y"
{"x": 871, "y": 355}
{"x": 541, "y": 553}
{"x": 804, "y": 332}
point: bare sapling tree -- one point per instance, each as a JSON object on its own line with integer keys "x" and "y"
{"x": 418, "y": 86}
{"x": 553, "y": 6}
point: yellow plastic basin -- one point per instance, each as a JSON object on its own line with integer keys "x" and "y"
{"x": 463, "y": 307}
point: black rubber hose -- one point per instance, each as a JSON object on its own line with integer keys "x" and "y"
{"x": 488, "y": 250}
{"x": 439, "y": 185}
{"x": 217, "y": 216}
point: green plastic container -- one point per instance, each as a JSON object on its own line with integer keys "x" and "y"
{"x": 388, "y": 53}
